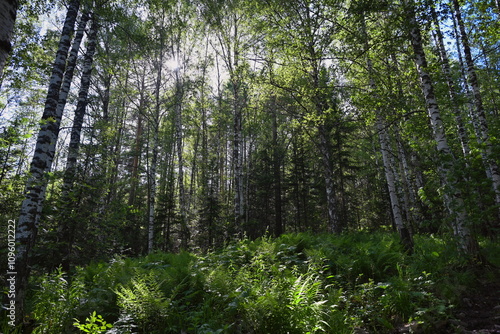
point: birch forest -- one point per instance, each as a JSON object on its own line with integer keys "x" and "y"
{"x": 193, "y": 131}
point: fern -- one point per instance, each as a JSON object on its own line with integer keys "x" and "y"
{"x": 143, "y": 300}
{"x": 56, "y": 301}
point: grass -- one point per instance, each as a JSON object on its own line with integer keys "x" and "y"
{"x": 297, "y": 283}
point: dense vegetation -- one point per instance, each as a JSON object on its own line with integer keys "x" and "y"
{"x": 297, "y": 283}
{"x": 194, "y": 127}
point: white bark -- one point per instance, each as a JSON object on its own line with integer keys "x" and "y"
{"x": 67, "y": 228}
{"x": 74, "y": 143}
{"x": 452, "y": 91}
{"x": 388, "y": 162}
{"x": 152, "y": 192}
{"x": 42, "y": 160}
{"x": 391, "y": 184}
{"x": 452, "y": 195}
{"x": 8, "y": 12}
{"x": 180, "y": 157}
{"x": 484, "y": 138}
{"x": 155, "y": 124}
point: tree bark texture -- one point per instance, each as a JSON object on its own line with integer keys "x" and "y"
{"x": 404, "y": 232}
{"x": 325, "y": 148}
{"x": 74, "y": 144}
{"x": 453, "y": 198}
{"x": 452, "y": 90}
{"x": 180, "y": 176}
{"x": 278, "y": 228}
{"x": 42, "y": 161}
{"x": 478, "y": 103}
{"x": 402, "y": 228}
{"x": 155, "y": 125}
{"x": 8, "y": 13}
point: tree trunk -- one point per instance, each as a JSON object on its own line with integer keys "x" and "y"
{"x": 180, "y": 176}
{"x": 74, "y": 145}
{"x": 235, "y": 77}
{"x": 278, "y": 212}
{"x": 452, "y": 90}
{"x": 152, "y": 192}
{"x": 8, "y": 13}
{"x": 452, "y": 195}
{"x": 135, "y": 161}
{"x": 42, "y": 161}
{"x": 414, "y": 212}
{"x": 484, "y": 139}
{"x": 325, "y": 147}
{"x": 155, "y": 124}
{"x": 404, "y": 232}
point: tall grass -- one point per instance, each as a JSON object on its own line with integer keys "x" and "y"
{"x": 297, "y": 283}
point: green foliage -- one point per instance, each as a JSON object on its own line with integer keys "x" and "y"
{"x": 95, "y": 324}
{"x": 55, "y": 301}
{"x": 144, "y": 300}
{"x": 297, "y": 283}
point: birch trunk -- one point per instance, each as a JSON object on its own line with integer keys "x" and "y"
{"x": 278, "y": 228}
{"x": 404, "y": 233}
{"x": 325, "y": 147}
{"x": 155, "y": 123}
{"x": 239, "y": 209}
{"x": 152, "y": 192}
{"x": 452, "y": 90}
{"x": 468, "y": 93}
{"x": 180, "y": 176}
{"x": 472, "y": 78}
{"x": 452, "y": 195}
{"x": 8, "y": 13}
{"x": 42, "y": 160}
{"x": 136, "y": 158}
{"x": 74, "y": 144}
{"x": 238, "y": 164}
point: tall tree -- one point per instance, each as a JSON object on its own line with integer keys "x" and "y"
{"x": 480, "y": 114}
{"x": 453, "y": 196}
{"x": 308, "y": 30}
{"x": 227, "y": 19}
{"x": 42, "y": 160}
{"x": 382, "y": 128}
{"x": 452, "y": 89}
{"x": 68, "y": 227}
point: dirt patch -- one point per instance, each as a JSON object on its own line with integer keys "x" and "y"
{"x": 480, "y": 311}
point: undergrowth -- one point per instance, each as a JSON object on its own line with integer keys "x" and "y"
{"x": 297, "y": 283}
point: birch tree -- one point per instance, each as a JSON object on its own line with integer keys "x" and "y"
{"x": 67, "y": 224}
{"x": 453, "y": 197}
{"x": 42, "y": 160}
{"x": 308, "y": 30}
{"x": 385, "y": 149}
{"x": 484, "y": 136}
{"x": 227, "y": 20}
{"x": 154, "y": 119}
{"x": 452, "y": 89}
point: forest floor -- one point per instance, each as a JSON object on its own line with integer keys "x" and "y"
{"x": 480, "y": 312}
